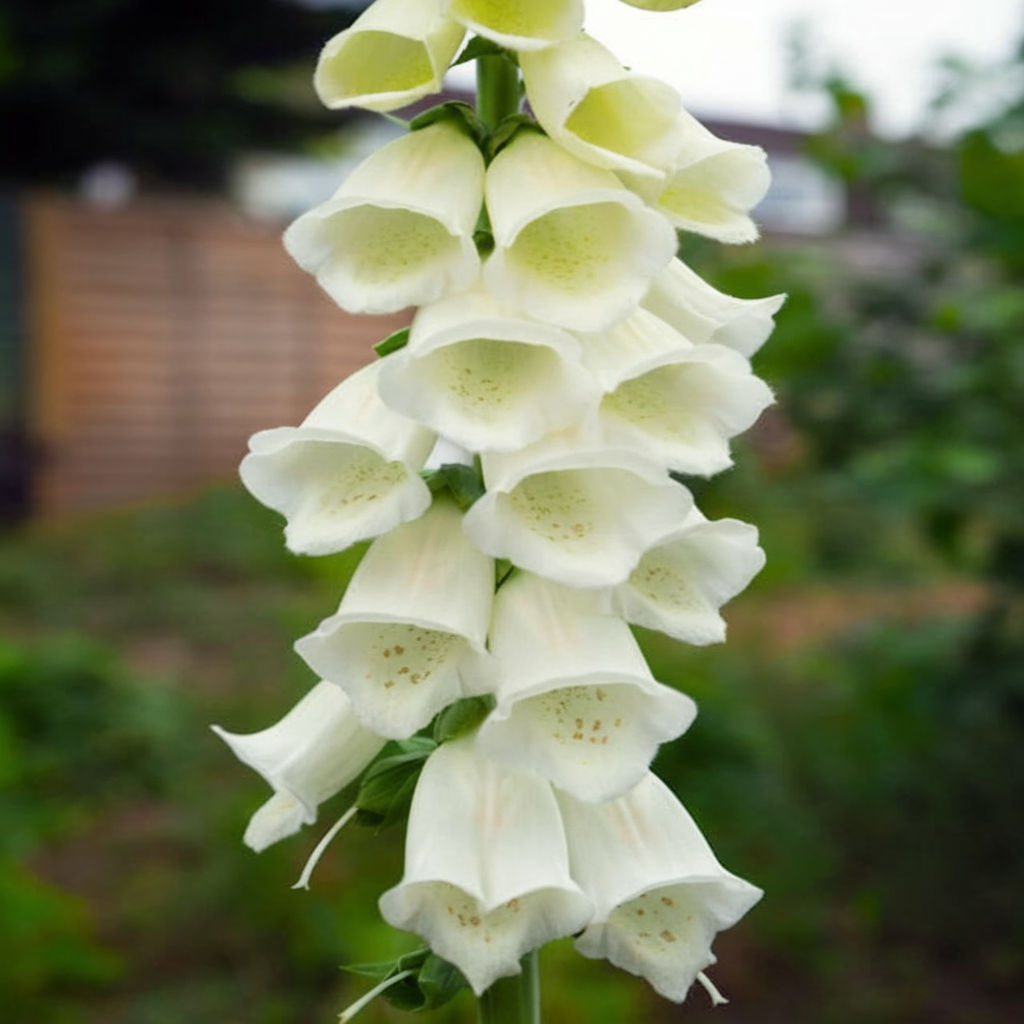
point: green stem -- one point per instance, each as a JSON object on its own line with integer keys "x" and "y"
{"x": 497, "y": 89}
{"x": 514, "y": 1000}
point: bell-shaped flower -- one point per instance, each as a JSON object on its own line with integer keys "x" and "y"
{"x": 704, "y": 314}
{"x": 486, "y": 869}
{"x": 316, "y": 750}
{"x": 602, "y": 113}
{"x": 409, "y": 636}
{"x": 660, "y": 5}
{"x": 522, "y": 24}
{"x": 711, "y": 186}
{"x": 573, "y": 509}
{"x": 572, "y": 245}
{"x": 682, "y": 581}
{"x": 395, "y": 52}
{"x": 399, "y": 230}
{"x": 487, "y": 377}
{"x": 348, "y": 473}
{"x": 661, "y": 896}
{"x": 675, "y": 403}
{"x": 576, "y": 702}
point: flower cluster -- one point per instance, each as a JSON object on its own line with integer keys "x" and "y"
{"x": 515, "y": 458}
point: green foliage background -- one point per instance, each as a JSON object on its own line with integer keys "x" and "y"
{"x": 859, "y": 749}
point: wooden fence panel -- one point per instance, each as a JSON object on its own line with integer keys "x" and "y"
{"x": 162, "y": 335}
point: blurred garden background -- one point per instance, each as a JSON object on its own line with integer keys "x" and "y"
{"x": 860, "y": 747}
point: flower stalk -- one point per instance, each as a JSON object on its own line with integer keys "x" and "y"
{"x": 514, "y": 1000}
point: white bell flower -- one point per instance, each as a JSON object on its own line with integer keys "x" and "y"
{"x": 572, "y": 245}
{"x": 487, "y": 377}
{"x": 674, "y": 402}
{"x": 661, "y": 896}
{"x": 348, "y": 473}
{"x": 602, "y": 113}
{"x": 576, "y": 702}
{"x": 704, "y": 314}
{"x": 409, "y": 636}
{"x": 399, "y": 230}
{"x": 395, "y": 52}
{"x": 682, "y": 582}
{"x": 316, "y": 750}
{"x": 711, "y": 186}
{"x": 486, "y": 870}
{"x": 520, "y": 24}
{"x": 573, "y": 509}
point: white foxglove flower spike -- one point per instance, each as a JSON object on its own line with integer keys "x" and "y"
{"x": 409, "y": 636}
{"x": 576, "y": 701}
{"x": 711, "y": 186}
{"x": 660, "y": 893}
{"x": 399, "y": 230}
{"x": 574, "y": 510}
{"x": 394, "y": 53}
{"x": 703, "y": 314}
{"x": 486, "y": 870}
{"x": 348, "y": 473}
{"x": 682, "y": 582}
{"x": 520, "y": 25}
{"x": 572, "y": 245}
{"x": 673, "y": 402}
{"x": 487, "y": 377}
{"x": 316, "y": 750}
{"x": 600, "y": 112}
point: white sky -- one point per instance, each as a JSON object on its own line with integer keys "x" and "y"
{"x": 728, "y": 57}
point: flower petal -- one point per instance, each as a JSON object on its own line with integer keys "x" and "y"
{"x": 395, "y": 52}
{"x": 600, "y": 112}
{"x": 399, "y": 230}
{"x": 659, "y": 891}
{"x": 347, "y": 474}
{"x": 408, "y": 637}
{"x": 703, "y": 314}
{"x": 576, "y": 701}
{"x": 486, "y": 377}
{"x": 571, "y": 244}
{"x": 486, "y": 872}
{"x": 681, "y": 582}
{"x": 520, "y": 24}
{"x": 573, "y": 509}
{"x": 317, "y": 749}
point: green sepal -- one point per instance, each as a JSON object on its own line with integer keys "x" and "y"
{"x": 461, "y": 717}
{"x": 464, "y": 483}
{"x": 462, "y": 115}
{"x": 392, "y": 343}
{"x": 507, "y": 129}
{"x": 503, "y": 568}
{"x": 478, "y": 46}
{"x": 385, "y": 793}
{"x": 433, "y": 983}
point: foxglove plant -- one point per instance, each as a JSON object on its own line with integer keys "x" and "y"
{"x": 515, "y": 458}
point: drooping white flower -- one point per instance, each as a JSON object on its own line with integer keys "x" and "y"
{"x": 486, "y": 376}
{"x": 486, "y": 870}
{"x": 602, "y": 113}
{"x": 576, "y": 702}
{"x": 572, "y": 245}
{"x": 703, "y": 314}
{"x": 399, "y": 230}
{"x": 661, "y": 896}
{"x": 348, "y": 473}
{"x": 395, "y": 52}
{"x": 520, "y": 24}
{"x": 682, "y": 582}
{"x": 316, "y": 750}
{"x": 711, "y": 186}
{"x": 573, "y": 509}
{"x": 409, "y": 635}
{"x": 674, "y": 402}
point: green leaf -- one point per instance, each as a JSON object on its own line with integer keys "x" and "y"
{"x": 392, "y": 343}
{"x": 381, "y": 969}
{"x": 434, "y": 984}
{"x": 385, "y": 793}
{"x": 462, "y": 115}
{"x": 461, "y": 717}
